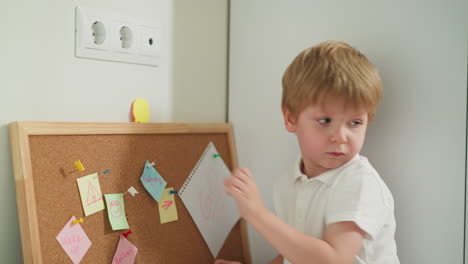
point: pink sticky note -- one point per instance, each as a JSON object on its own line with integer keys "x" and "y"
{"x": 74, "y": 240}
{"x": 125, "y": 253}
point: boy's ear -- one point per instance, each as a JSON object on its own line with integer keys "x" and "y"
{"x": 289, "y": 120}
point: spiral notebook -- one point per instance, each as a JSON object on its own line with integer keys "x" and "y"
{"x": 213, "y": 211}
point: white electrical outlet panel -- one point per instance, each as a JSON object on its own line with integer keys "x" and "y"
{"x": 103, "y": 35}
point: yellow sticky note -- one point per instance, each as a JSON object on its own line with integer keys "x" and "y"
{"x": 140, "y": 111}
{"x": 91, "y": 195}
{"x": 167, "y": 207}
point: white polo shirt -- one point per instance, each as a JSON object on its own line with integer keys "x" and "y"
{"x": 353, "y": 192}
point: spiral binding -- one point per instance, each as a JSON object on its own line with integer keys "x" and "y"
{"x": 189, "y": 178}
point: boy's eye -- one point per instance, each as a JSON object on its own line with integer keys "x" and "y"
{"x": 326, "y": 120}
{"x": 355, "y": 123}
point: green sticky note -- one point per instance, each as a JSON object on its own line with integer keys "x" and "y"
{"x": 116, "y": 211}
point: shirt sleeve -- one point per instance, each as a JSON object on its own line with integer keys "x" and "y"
{"x": 359, "y": 197}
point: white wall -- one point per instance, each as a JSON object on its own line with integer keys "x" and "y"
{"x": 200, "y": 60}
{"x": 42, "y": 80}
{"x": 417, "y": 142}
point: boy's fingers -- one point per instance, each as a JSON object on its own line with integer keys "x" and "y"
{"x": 227, "y": 181}
{"x": 234, "y": 181}
{"x": 238, "y": 183}
{"x": 233, "y": 191}
{"x": 241, "y": 175}
{"x": 246, "y": 172}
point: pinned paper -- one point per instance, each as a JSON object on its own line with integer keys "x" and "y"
{"x": 167, "y": 207}
{"x": 140, "y": 111}
{"x": 152, "y": 181}
{"x": 203, "y": 194}
{"x": 90, "y": 192}
{"x": 116, "y": 211}
{"x": 74, "y": 241}
{"x": 125, "y": 253}
{"x": 79, "y": 166}
{"x": 132, "y": 191}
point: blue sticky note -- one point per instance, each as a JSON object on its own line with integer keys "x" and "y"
{"x": 152, "y": 181}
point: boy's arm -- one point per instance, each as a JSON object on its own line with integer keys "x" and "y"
{"x": 342, "y": 241}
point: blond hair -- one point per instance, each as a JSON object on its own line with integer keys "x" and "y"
{"x": 331, "y": 70}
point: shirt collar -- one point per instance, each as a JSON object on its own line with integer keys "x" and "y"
{"x": 324, "y": 177}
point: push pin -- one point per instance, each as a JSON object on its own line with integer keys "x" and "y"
{"x": 150, "y": 164}
{"x": 79, "y": 166}
{"x": 132, "y": 191}
{"x": 216, "y": 155}
{"x": 106, "y": 171}
{"x": 78, "y": 221}
{"x": 172, "y": 192}
{"x": 127, "y": 233}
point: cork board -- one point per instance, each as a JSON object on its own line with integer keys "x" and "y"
{"x": 43, "y": 156}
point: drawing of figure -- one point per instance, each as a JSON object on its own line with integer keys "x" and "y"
{"x": 115, "y": 209}
{"x": 93, "y": 194}
{"x": 211, "y": 198}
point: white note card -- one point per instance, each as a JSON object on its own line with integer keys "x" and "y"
{"x": 213, "y": 211}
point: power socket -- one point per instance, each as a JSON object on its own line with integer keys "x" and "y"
{"x": 124, "y": 38}
{"x": 149, "y": 39}
{"x": 103, "y": 35}
{"x": 99, "y": 32}
{"x": 91, "y": 30}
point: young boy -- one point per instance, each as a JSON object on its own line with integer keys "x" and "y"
{"x": 332, "y": 207}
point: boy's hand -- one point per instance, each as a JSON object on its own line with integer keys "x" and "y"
{"x": 243, "y": 189}
{"x": 222, "y": 261}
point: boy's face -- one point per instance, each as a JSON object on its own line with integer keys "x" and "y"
{"x": 329, "y": 134}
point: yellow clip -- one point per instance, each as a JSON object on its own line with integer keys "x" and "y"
{"x": 79, "y": 166}
{"x": 78, "y": 221}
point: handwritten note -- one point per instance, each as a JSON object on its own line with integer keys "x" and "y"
{"x": 125, "y": 253}
{"x": 74, "y": 241}
{"x": 116, "y": 211}
{"x": 212, "y": 210}
{"x": 152, "y": 181}
{"x": 90, "y": 193}
{"x": 167, "y": 207}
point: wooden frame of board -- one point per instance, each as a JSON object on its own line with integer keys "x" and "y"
{"x": 27, "y": 190}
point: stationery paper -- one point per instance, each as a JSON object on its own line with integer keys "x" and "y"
{"x": 167, "y": 207}
{"x": 90, "y": 193}
{"x": 74, "y": 241}
{"x": 212, "y": 210}
{"x": 116, "y": 211}
{"x": 152, "y": 181}
{"x": 125, "y": 253}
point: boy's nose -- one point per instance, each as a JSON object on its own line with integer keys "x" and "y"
{"x": 338, "y": 136}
